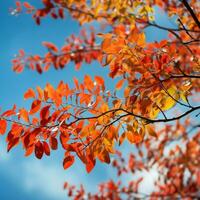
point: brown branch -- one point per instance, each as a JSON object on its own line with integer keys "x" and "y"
{"x": 166, "y": 28}
{"x": 163, "y": 87}
{"x": 185, "y": 29}
{"x": 188, "y": 7}
{"x": 127, "y": 113}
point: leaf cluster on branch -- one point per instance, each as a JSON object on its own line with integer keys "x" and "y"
{"x": 154, "y": 79}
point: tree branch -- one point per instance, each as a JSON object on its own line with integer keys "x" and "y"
{"x": 186, "y": 4}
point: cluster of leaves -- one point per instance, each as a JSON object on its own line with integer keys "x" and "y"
{"x": 177, "y": 168}
{"x": 77, "y": 50}
{"x": 88, "y": 120}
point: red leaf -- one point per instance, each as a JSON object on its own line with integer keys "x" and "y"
{"x": 29, "y": 94}
{"x": 61, "y": 13}
{"x": 12, "y": 143}
{"x": 64, "y": 138}
{"x": 37, "y": 20}
{"x": 90, "y": 163}
{"x": 68, "y": 161}
{"x": 50, "y": 46}
{"x": 29, "y": 150}
{"x": 21, "y": 52}
{"x": 35, "y": 106}
{"x": 46, "y": 148}
{"x": 8, "y": 113}
{"x": 44, "y": 113}
{"x": 3, "y": 125}
{"x": 39, "y": 68}
{"x": 39, "y": 150}
{"x": 53, "y": 143}
{"x": 54, "y": 15}
{"x": 18, "y": 3}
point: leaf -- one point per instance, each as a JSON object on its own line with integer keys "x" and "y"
{"x": 68, "y": 161}
{"x": 3, "y": 126}
{"x": 106, "y": 44}
{"x": 44, "y": 113}
{"x": 151, "y": 130}
{"x": 27, "y": 5}
{"x": 183, "y": 96}
{"x": 8, "y": 113}
{"x": 90, "y": 163}
{"x": 12, "y": 143}
{"x": 76, "y": 83}
{"x": 104, "y": 156}
{"x": 29, "y": 150}
{"x": 64, "y": 138}
{"x": 50, "y": 46}
{"x": 38, "y": 68}
{"x": 122, "y": 137}
{"x": 29, "y": 94}
{"x": 167, "y": 103}
{"x": 35, "y": 107}
{"x": 61, "y": 13}
{"x": 40, "y": 93}
{"x": 134, "y": 137}
{"x": 46, "y": 148}
{"x": 39, "y": 150}
{"x": 119, "y": 84}
{"x": 53, "y": 143}
{"x": 18, "y": 3}
{"x": 23, "y": 113}
{"x": 99, "y": 80}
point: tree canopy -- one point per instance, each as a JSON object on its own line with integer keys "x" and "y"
{"x": 154, "y": 104}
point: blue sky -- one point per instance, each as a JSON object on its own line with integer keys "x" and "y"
{"x": 29, "y": 178}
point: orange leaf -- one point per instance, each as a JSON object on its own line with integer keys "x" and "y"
{"x": 35, "y": 106}
{"x": 27, "y": 5}
{"x": 3, "y": 125}
{"x": 68, "y": 161}
{"x": 122, "y": 137}
{"x": 134, "y": 137}
{"x": 40, "y": 93}
{"x": 99, "y": 80}
{"x": 18, "y": 3}
{"x": 29, "y": 150}
{"x": 24, "y": 115}
{"x": 119, "y": 84}
{"x": 76, "y": 83}
{"x": 29, "y": 94}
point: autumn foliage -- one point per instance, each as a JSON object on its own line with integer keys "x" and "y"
{"x": 154, "y": 104}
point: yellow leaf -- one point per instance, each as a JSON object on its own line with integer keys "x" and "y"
{"x": 154, "y": 112}
{"x": 151, "y": 130}
{"x": 183, "y": 96}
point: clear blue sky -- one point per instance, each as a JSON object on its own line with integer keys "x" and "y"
{"x": 29, "y": 178}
